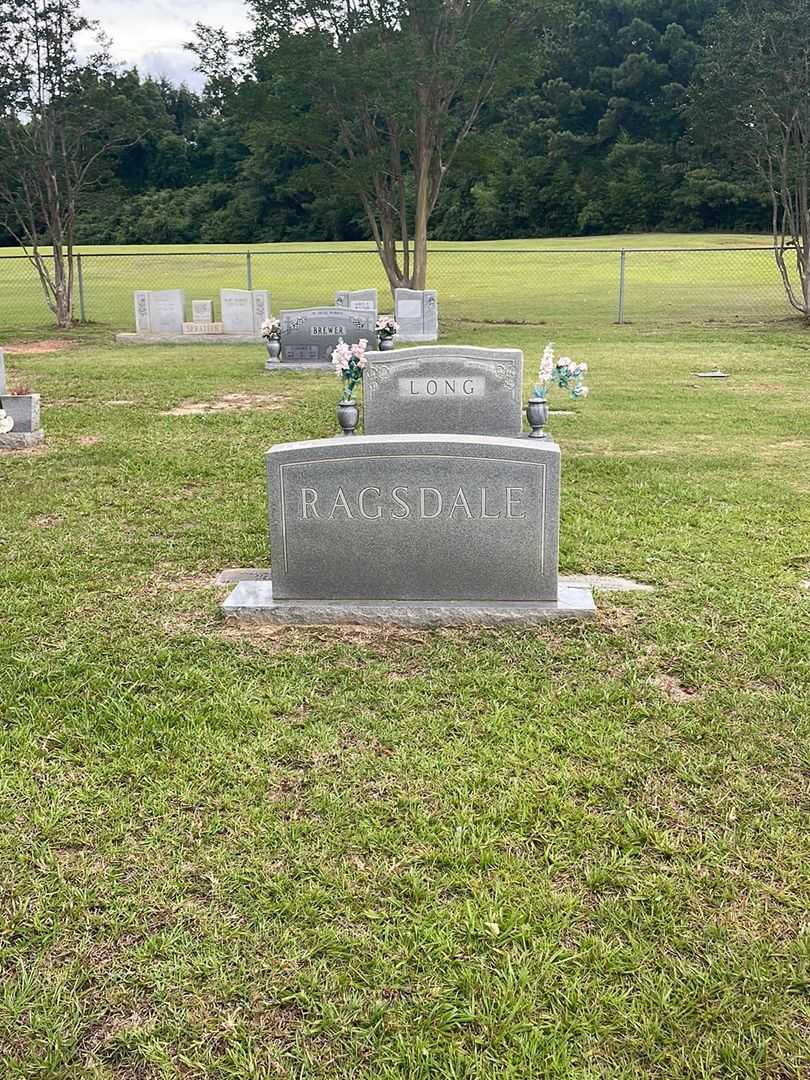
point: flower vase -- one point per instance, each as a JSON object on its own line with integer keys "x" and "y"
{"x": 537, "y": 415}
{"x": 273, "y": 349}
{"x": 386, "y": 342}
{"x": 347, "y": 416}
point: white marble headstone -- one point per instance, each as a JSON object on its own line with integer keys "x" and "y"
{"x": 417, "y": 312}
{"x": 359, "y": 300}
{"x": 244, "y": 311}
{"x": 159, "y": 312}
{"x": 202, "y": 311}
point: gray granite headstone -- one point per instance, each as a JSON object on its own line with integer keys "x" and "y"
{"x": 417, "y": 312}
{"x": 415, "y": 517}
{"x": 359, "y": 300}
{"x": 159, "y": 312}
{"x": 309, "y": 335}
{"x": 202, "y": 311}
{"x": 443, "y": 388}
{"x": 2, "y": 373}
{"x": 243, "y": 310}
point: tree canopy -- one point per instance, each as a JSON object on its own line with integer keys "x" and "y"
{"x": 583, "y": 130}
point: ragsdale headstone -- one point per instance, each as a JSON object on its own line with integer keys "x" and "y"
{"x": 444, "y": 388}
{"x": 417, "y": 312}
{"x": 412, "y": 530}
{"x": 309, "y": 335}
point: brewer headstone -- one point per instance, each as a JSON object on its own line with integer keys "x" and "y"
{"x": 417, "y": 312}
{"x": 359, "y": 300}
{"x": 159, "y": 312}
{"x": 444, "y": 388}
{"x": 243, "y": 310}
{"x": 202, "y": 311}
{"x": 309, "y": 335}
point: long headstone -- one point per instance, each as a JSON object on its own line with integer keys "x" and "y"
{"x": 359, "y": 300}
{"x": 309, "y": 335}
{"x": 243, "y": 310}
{"x": 417, "y": 312}
{"x": 443, "y": 388}
{"x": 159, "y": 312}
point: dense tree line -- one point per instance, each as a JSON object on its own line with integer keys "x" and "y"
{"x": 593, "y": 139}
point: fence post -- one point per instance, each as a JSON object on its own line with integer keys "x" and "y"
{"x": 80, "y": 276}
{"x": 249, "y": 268}
{"x": 620, "y": 315}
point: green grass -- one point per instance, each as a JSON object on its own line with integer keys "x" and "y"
{"x": 571, "y": 282}
{"x": 344, "y": 853}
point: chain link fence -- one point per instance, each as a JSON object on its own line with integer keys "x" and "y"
{"x": 574, "y": 286}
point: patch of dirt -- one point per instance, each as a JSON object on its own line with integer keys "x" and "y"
{"x": 231, "y": 403}
{"x": 88, "y": 440}
{"x": 46, "y": 521}
{"x": 50, "y": 345}
{"x": 24, "y": 452}
{"x": 670, "y": 686}
{"x": 122, "y": 401}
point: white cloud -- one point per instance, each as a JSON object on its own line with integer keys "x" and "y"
{"x": 150, "y": 34}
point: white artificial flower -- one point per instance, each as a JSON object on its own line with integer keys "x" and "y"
{"x": 6, "y": 422}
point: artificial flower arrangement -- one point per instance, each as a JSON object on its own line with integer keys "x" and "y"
{"x": 271, "y": 330}
{"x": 349, "y": 361}
{"x": 562, "y": 372}
{"x": 387, "y": 326}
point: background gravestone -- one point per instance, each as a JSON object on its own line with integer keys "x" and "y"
{"x": 243, "y": 310}
{"x": 202, "y": 311}
{"x": 444, "y": 388}
{"x": 359, "y": 300}
{"x": 159, "y": 312}
{"x": 2, "y": 373}
{"x": 417, "y": 312}
{"x": 309, "y": 335}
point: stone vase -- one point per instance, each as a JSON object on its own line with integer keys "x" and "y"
{"x": 386, "y": 342}
{"x": 537, "y": 415}
{"x": 348, "y": 415}
{"x": 273, "y": 349}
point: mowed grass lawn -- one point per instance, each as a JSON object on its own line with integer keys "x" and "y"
{"x": 565, "y": 282}
{"x": 350, "y": 853}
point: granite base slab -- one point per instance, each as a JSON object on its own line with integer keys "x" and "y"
{"x": 252, "y": 602}
{"x": 275, "y": 365}
{"x": 187, "y": 339}
{"x": 21, "y": 440}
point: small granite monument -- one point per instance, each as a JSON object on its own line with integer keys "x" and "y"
{"x": 202, "y": 311}
{"x": 22, "y": 413}
{"x": 309, "y": 335}
{"x": 444, "y": 388}
{"x": 417, "y": 312}
{"x": 413, "y": 529}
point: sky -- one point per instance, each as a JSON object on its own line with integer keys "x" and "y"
{"x": 150, "y": 33}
